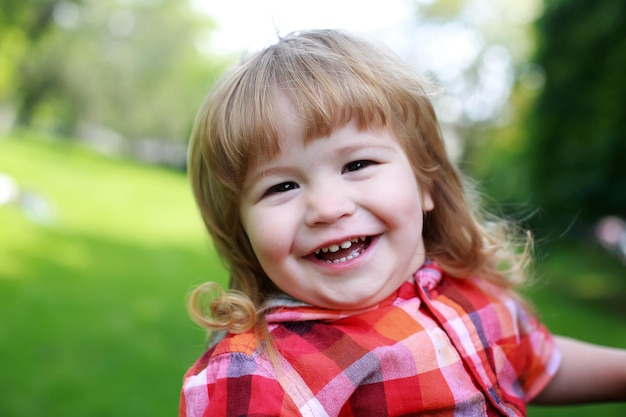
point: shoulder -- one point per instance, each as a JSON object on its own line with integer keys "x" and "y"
{"x": 226, "y": 380}
{"x": 491, "y": 316}
{"x": 464, "y": 294}
{"x": 477, "y": 296}
{"x": 240, "y": 348}
{"x": 500, "y": 323}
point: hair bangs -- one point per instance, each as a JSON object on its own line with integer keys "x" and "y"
{"x": 327, "y": 92}
{"x": 243, "y": 124}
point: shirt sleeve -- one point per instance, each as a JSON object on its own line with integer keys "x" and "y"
{"x": 524, "y": 352}
{"x": 535, "y": 358}
{"x": 511, "y": 354}
{"x": 232, "y": 384}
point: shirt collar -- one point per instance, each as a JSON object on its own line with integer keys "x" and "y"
{"x": 284, "y": 308}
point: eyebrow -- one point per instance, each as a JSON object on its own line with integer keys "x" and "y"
{"x": 353, "y": 147}
{"x": 250, "y": 181}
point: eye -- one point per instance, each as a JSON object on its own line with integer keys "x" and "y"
{"x": 356, "y": 165}
{"x": 281, "y": 188}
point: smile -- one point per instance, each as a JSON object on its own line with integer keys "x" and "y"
{"x": 344, "y": 251}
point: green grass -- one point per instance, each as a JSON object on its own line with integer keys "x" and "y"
{"x": 92, "y": 300}
{"x": 581, "y": 293}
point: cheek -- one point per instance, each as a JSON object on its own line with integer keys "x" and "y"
{"x": 403, "y": 201}
{"x": 266, "y": 236}
{"x": 409, "y": 216}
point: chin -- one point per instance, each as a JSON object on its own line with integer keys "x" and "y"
{"x": 354, "y": 303}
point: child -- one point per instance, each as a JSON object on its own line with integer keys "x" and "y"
{"x": 363, "y": 283}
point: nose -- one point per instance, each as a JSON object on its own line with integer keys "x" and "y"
{"x": 326, "y": 205}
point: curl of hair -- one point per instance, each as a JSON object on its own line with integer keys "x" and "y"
{"x": 214, "y": 308}
{"x": 329, "y": 78}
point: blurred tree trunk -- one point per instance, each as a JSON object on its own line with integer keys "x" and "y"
{"x": 35, "y": 80}
{"x": 33, "y": 90}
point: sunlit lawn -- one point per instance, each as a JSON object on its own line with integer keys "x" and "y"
{"x": 581, "y": 293}
{"x": 92, "y": 300}
{"x": 92, "y": 297}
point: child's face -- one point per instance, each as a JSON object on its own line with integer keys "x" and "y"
{"x": 336, "y": 222}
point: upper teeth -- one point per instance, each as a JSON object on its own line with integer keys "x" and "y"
{"x": 343, "y": 245}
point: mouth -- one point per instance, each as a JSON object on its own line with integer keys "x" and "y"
{"x": 343, "y": 251}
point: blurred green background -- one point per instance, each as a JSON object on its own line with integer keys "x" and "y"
{"x": 100, "y": 240}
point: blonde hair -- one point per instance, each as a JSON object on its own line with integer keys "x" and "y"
{"x": 330, "y": 77}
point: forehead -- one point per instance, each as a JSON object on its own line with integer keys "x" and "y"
{"x": 292, "y": 140}
{"x": 294, "y": 119}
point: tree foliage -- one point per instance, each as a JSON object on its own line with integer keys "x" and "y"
{"x": 577, "y": 125}
{"x": 27, "y": 71}
{"x": 130, "y": 66}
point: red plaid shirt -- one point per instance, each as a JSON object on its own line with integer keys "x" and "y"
{"x": 438, "y": 346}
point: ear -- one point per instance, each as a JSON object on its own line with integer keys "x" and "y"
{"x": 427, "y": 201}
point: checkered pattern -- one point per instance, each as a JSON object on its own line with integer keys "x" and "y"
{"x": 439, "y": 346}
